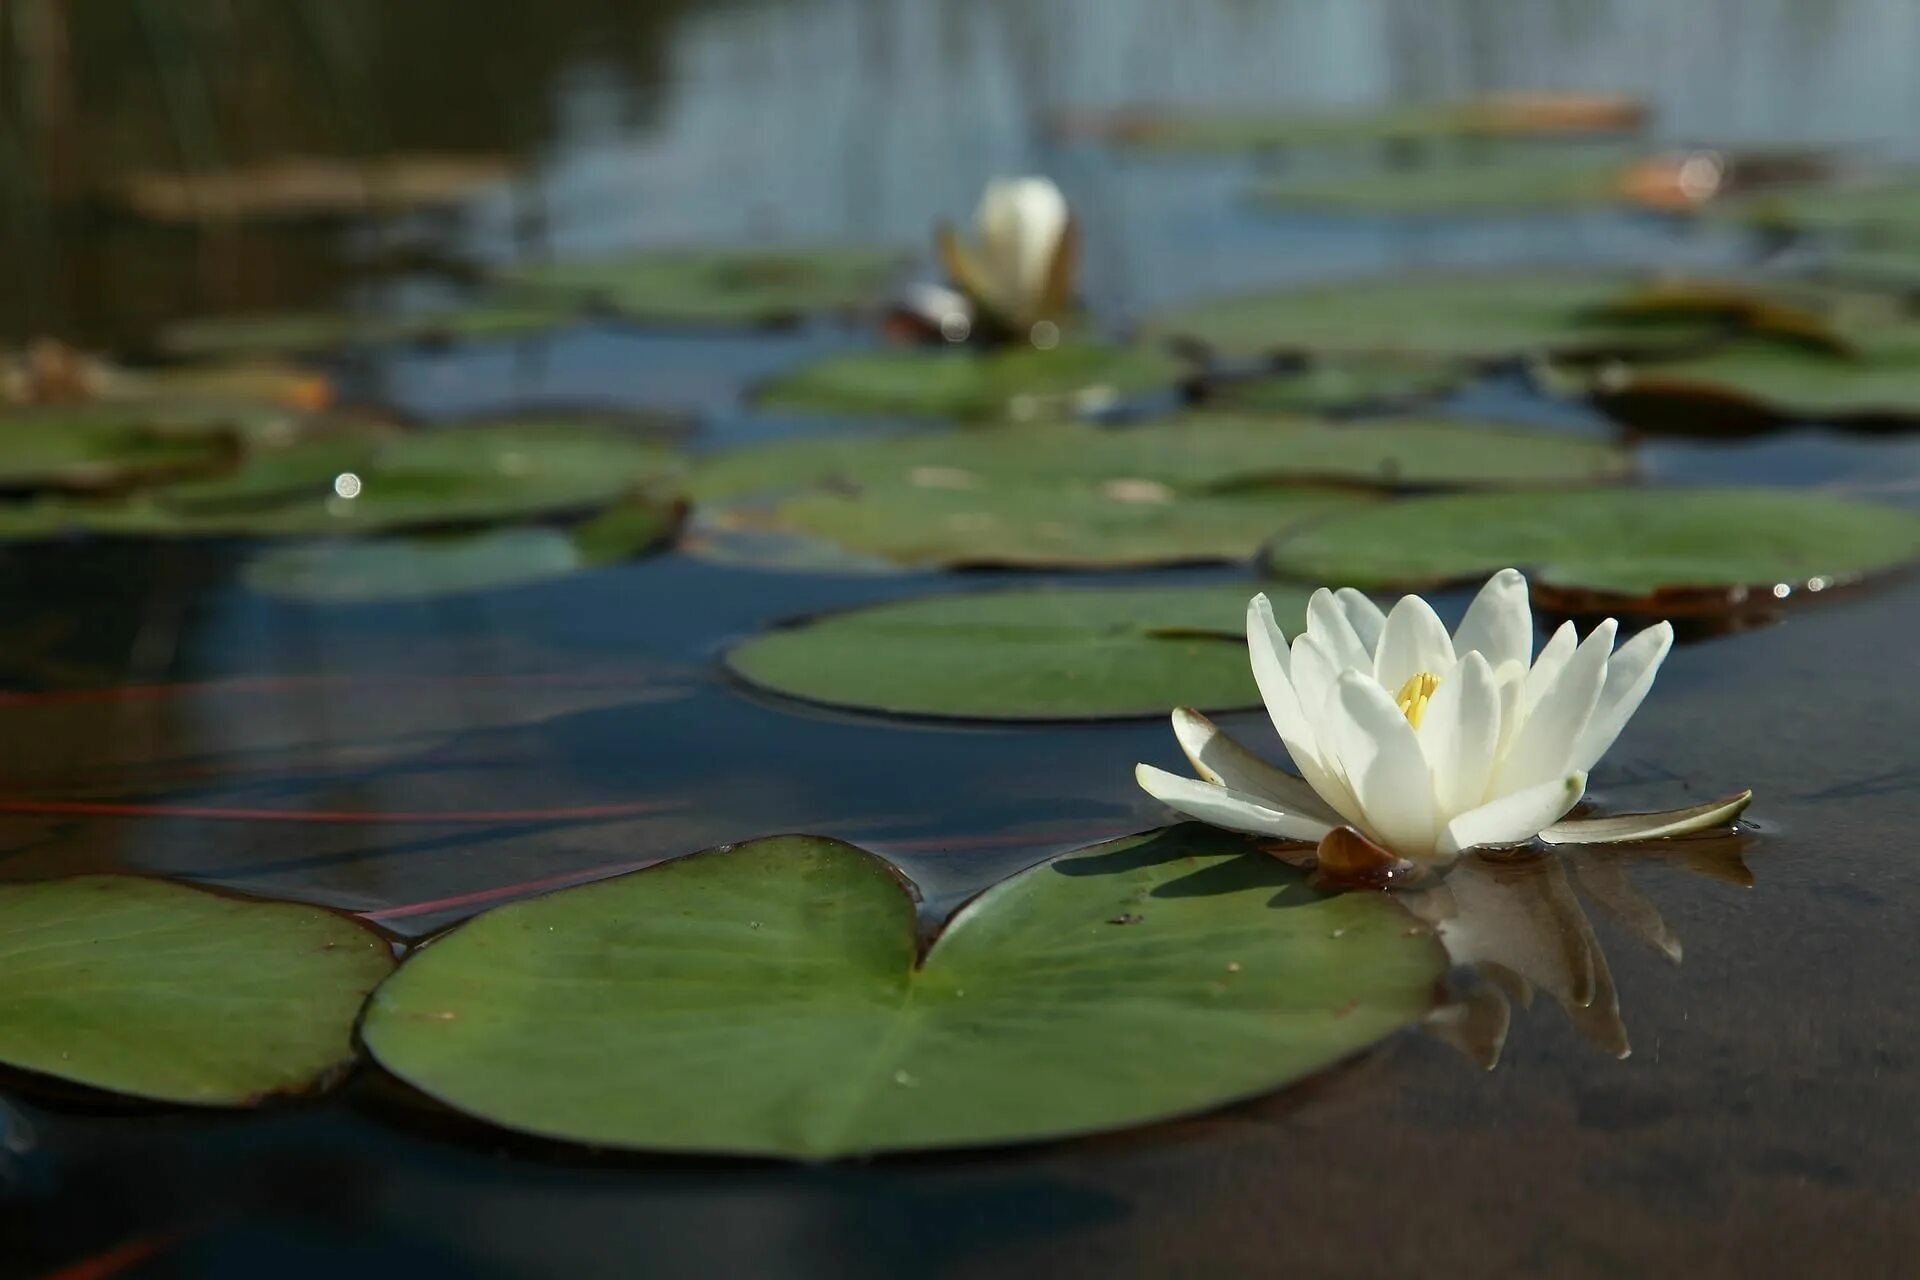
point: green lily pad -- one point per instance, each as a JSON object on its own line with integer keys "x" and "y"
{"x": 1720, "y": 544}
{"x": 168, "y": 992}
{"x": 770, "y": 998}
{"x": 1195, "y": 451}
{"x": 1045, "y": 654}
{"x": 1453, "y": 315}
{"x": 1333, "y": 386}
{"x": 364, "y": 571}
{"x": 478, "y": 473}
{"x": 105, "y": 446}
{"x": 1496, "y": 116}
{"x": 746, "y": 287}
{"x": 1886, "y": 210}
{"x": 1036, "y": 526}
{"x": 1018, "y": 382}
{"x": 271, "y": 334}
{"x": 1540, "y": 180}
{"x": 1766, "y": 381}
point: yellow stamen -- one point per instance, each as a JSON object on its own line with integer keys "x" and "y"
{"x": 1414, "y": 696}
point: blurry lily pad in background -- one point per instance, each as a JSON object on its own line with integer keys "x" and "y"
{"x": 1515, "y": 115}
{"x": 1759, "y": 384}
{"x": 104, "y": 446}
{"x": 744, "y": 287}
{"x": 1042, "y": 654}
{"x": 1883, "y": 210}
{"x": 475, "y": 473}
{"x": 284, "y": 333}
{"x": 168, "y": 992}
{"x": 1458, "y": 315}
{"x": 1528, "y": 180}
{"x": 1015, "y": 382}
{"x": 1129, "y": 983}
{"x": 1656, "y": 549}
{"x": 1192, "y": 452}
{"x": 363, "y": 571}
{"x": 1065, "y": 526}
{"x": 301, "y": 188}
{"x": 1333, "y": 386}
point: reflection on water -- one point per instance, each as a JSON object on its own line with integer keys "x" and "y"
{"x": 1520, "y": 926}
{"x": 1757, "y": 1101}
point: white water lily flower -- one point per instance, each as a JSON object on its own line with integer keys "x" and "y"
{"x": 1022, "y": 273}
{"x": 1426, "y": 743}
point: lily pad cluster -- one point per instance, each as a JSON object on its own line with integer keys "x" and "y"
{"x": 202, "y": 454}
{"x": 1147, "y": 978}
{"x": 668, "y": 287}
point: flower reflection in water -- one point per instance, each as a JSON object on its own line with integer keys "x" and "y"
{"x": 1518, "y": 925}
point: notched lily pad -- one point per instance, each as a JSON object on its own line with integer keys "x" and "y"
{"x": 1756, "y": 386}
{"x": 743, "y": 287}
{"x": 1045, "y": 654}
{"x": 1335, "y": 386}
{"x": 1664, "y": 552}
{"x": 598, "y": 1014}
{"x": 1012, "y": 382}
{"x": 168, "y": 992}
{"x": 1885, "y": 209}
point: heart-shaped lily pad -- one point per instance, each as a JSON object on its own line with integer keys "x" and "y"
{"x": 1044, "y": 654}
{"x": 366, "y": 571}
{"x": 168, "y": 992}
{"x": 1016, "y": 382}
{"x": 747, "y": 287}
{"x": 1696, "y": 545}
{"x": 1195, "y": 451}
{"x": 105, "y": 446}
{"x": 1118, "y": 525}
{"x": 1457, "y": 315}
{"x": 771, "y": 999}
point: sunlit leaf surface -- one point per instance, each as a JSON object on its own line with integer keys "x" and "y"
{"x": 769, "y": 999}
{"x": 169, "y": 992}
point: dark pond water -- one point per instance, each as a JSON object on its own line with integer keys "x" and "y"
{"x": 1763, "y": 1124}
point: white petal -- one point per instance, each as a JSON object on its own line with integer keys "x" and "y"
{"x": 1459, "y": 734}
{"x": 1624, "y": 827}
{"x": 1330, "y": 628}
{"x": 1383, "y": 764}
{"x": 1314, "y": 672}
{"x": 1222, "y": 807}
{"x": 1542, "y": 749}
{"x": 1414, "y": 640}
{"x": 1224, "y": 762}
{"x": 1363, "y": 615}
{"x": 1553, "y": 656}
{"x": 1630, "y": 675}
{"x": 1267, "y": 647}
{"x": 1514, "y": 818}
{"x": 1499, "y": 622}
{"x": 1021, "y": 221}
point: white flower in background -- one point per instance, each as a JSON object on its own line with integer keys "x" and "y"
{"x": 1021, "y": 273}
{"x": 1425, "y": 743}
